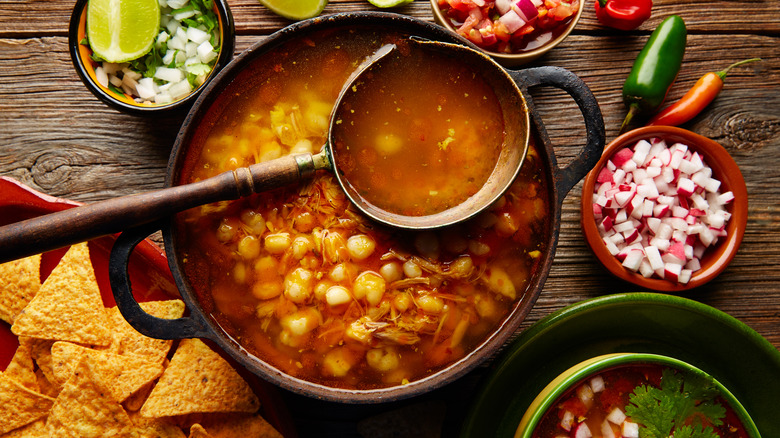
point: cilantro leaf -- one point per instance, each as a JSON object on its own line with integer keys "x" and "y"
{"x": 666, "y": 411}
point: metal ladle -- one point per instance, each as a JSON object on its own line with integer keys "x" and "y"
{"x": 111, "y": 216}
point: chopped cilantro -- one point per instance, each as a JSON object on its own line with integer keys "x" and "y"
{"x": 676, "y": 408}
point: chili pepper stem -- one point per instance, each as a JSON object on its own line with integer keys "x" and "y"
{"x": 633, "y": 109}
{"x": 722, "y": 74}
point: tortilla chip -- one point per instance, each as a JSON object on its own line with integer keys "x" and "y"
{"x": 46, "y": 386}
{"x": 138, "y": 398}
{"x": 240, "y": 426}
{"x": 19, "y": 406}
{"x": 127, "y": 374}
{"x": 40, "y": 351}
{"x": 68, "y": 306}
{"x": 199, "y": 380}
{"x": 197, "y": 431}
{"x": 19, "y": 282}
{"x": 126, "y": 340}
{"x": 85, "y": 407}
{"x": 21, "y": 368}
{"x": 155, "y": 428}
{"x": 36, "y": 429}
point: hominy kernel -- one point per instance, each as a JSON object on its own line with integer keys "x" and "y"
{"x": 369, "y": 285}
{"x": 226, "y": 231}
{"x": 239, "y": 273}
{"x": 298, "y": 285}
{"x": 478, "y": 248}
{"x": 254, "y": 221}
{"x": 321, "y": 288}
{"x": 382, "y": 359}
{"x": 266, "y": 290}
{"x": 249, "y": 247}
{"x": 305, "y": 222}
{"x": 412, "y": 269}
{"x": 462, "y": 266}
{"x": 301, "y": 246}
{"x": 337, "y": 295}
{"x": 506, "y": 224}
{"x": 360, "y": 246}
{"x": 431, "y": 304}
{"x": 402, "y": 302}
{"x": 343, "y": 272}
{"x": 277, "y": 243}
{"x": 391, "y": 272}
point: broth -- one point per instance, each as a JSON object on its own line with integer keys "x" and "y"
{"x": 305, "y": 282}
{"x": 592, "y": 404}
{"x": 418, "y": 133}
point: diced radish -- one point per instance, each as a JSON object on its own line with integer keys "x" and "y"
{"x": 622, "y": 156}
{"x": 585, "y": 394}
{"x": 567, "y": 421}
{"x": 630, "y": 430}
{"x": 641, "y": 149}
{"x": 685, "y": 187}
{"x": 616, "y": 416}
{"x": 606, "y": 430}
{"x": 581, "y": 430}
{"x": 605, "y": 175}
{"x": 672, "y": 271}
{"x": 597, "y": 383}
{"x": 658, "y": 208}
{"x": 633, "y": 259}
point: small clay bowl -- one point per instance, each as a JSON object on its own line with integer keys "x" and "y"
{"x": 519, "y": 58}
{"x": 717, "y": 257}
{"x": 550, "y": 396}
{"x": 80, "y": 55}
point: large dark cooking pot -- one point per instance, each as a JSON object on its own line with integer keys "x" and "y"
{"x": 201, "y": 324}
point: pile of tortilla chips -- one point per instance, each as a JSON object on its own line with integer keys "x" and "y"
{"x": 82, "y": 371}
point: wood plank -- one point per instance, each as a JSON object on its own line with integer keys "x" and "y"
{"x": 25, "y": 18}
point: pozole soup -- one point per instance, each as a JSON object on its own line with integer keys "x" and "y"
{"x": 305, "y": 282}
{"x": 641, "y": 400}
{"x": 418, "y": 133}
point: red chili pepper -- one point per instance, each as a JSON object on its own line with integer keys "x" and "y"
{"x": 623, "y": 14}
{"x": 696, "y": 99}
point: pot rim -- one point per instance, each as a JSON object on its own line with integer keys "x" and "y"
{"x": 453, "y": 371}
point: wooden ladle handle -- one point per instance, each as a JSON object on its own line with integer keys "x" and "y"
{"x": 79, "y": 224}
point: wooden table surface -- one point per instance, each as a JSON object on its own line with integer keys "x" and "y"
{"x": 56, "y": 137}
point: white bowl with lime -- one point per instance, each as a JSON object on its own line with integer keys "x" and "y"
{"x": 150, "y": 56}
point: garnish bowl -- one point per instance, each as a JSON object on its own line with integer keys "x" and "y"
{"x": 518, "y": 58}
{"x": 582, "y": 372}
{"x": 81, "y": 56}
{"x": 717, "y": 257}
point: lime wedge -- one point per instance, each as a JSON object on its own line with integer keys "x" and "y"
{"x": 389, "y": 3}
{"x": 122, "y": 30}
{"x": 295, "y": 9}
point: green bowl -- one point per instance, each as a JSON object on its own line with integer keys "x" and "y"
{"x": 705, "y": 337}
{"x": 573, "y": 376}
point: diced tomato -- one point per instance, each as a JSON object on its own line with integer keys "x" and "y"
{"x": 501, "y": 31}
{"x": 575, "y": 406}
{"x": 610, "y": 398}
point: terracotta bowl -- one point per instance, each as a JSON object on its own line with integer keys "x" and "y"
{"x": 513, "y": 59}
{"x": 724, "y": 168}
{"x": 565, "y": 382}
{"x": 81, "y": 56}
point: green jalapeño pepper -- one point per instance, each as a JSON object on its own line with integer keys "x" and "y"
{"x": 655, "y": 69}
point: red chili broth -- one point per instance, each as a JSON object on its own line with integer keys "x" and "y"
{"x": 619, "y": 384}
{"x": 418, "y": 133}
{"x": 471, "y": 276}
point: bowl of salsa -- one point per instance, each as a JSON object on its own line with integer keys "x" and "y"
{"x": 634, "y": 395}
{"x": 513, "y": 32}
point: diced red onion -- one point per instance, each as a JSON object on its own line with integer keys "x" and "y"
{"x": 512, "y": 21}
{"x": 526, "y": 10}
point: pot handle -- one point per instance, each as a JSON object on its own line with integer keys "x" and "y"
{"x": 193, "y": 326}
{"x": 567, "y": 81}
